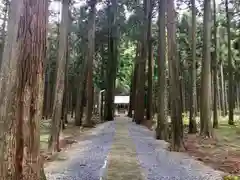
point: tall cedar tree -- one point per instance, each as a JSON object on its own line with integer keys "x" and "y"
{"x": 8, "y": 93}
{"x": 161, "y": 130}
{"x": 140, "y": 87}
{"x": 176, "y": 113}
{"x": 22, "y": 90}
{"x": 150, "y": 64}
{"x": 133, "y": 82}
{"x": 53, "y": 144}
{"x": 4, "y": 23}
{"x": 193, "y": 76}
{"x": 112, "y": 59}
{"x": 205, "y": 101}
{"x": 90, "y": 58}
{"x": 215, "y": 72}
{"x": 230, "y": 69}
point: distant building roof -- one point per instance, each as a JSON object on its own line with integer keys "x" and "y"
{"x": 121, "y": 100}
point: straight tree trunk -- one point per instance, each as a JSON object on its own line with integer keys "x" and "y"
{"x": 8, "y": 92}
{"x": 140, "y": 88}
{"x": 176, "y": 109}
{"x": 215, "y": 72}
{"x": 219, "y": 94}
{"x": 112, "y": 61}
{"x": 53, "y": 143}
{"x": 64, "y": 117}
{"x": 193, "y": 77}
{"x": 223, "y": 92}
{"x": 48, "y": 85}
{"x": 133, "y": 83}
{"x": 130, "y": 107}
{"x": 90, "y": 58}
{"x": 22, "y": 90}
{"x": 72, "y": 103}
{"x": 150, "y": 66}
{"x": 226, "y": 97}
{"x": 48, "y": 96}
{"x": 182, "y": 86}
{"x": 230, "y": 70}
{"x": 237, "y": 95}
{"x": 161, "y": 130}
{"x": 80, "y": 94}
{"x": 4, "y": 23}
{"x": 63, "y": 109}
{"x": 205, "y": 100}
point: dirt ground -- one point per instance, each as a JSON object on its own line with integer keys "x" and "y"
{"x": 67, "y": 137}
{"x": 221, "y": 153}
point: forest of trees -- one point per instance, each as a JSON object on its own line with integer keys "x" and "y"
{"x": 173, "y": 57}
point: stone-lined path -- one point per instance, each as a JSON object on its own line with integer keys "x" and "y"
{"x": 121, "y": 150}
{"x": 122, "y": 159}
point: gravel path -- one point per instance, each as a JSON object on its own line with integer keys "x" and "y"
{"x": 160, "y": 164}
{"x": 121, "y": 150}
{"x": 85, "y": 160}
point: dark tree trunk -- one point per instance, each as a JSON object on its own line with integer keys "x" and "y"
{"x": 112, "y": 61}
{"x": 133, "y": 83}
{"x": 193, "y": 77}
{"x": 80, "y": 95}
{"x": 22, "y": 90}
{"x": 90, "y": 58}
{"x": 4, "y": 23}
{"x": 215, "y": 72}
{"x": 230, "y": 70}
{"x": 53, "y": 144}
{"x": 161, "y": 130}
{"x": 205, "y": 101}
{"x": 141, "y": 76}
{"x": 176, "y": 113}
{"x": 150, "y": 65}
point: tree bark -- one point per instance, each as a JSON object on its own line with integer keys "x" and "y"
{"x": 53, "y": 143}
{"x": 65, "y": 107}
{"x": 176, "y": 109}
{"x": 22, "y": 90}
{"x": 223, "y": 92}
{"x": 150, "y": 64}
{"x": 112, "y": 60}
{"x": 8, "y": 91}
{"x": 4, "y": 23}
{"x": 237, "y": 95}
{"x": 90, "y": 58}
{"x": 230, "y": 70}
{"x": 161, "y": 130}
{"x": 134, "y": 81}
{"x": 48, "y": 94}
{"x": 215, "y": 72}
{"x": 80, "y": 94}
{"x": 140, "y": 88}
{"x": 193, "y": 77}
{"x": 205, "y": 100}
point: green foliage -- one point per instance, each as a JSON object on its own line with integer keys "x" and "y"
{"x": 129, "y": 22}
{"x": 127, "y": 55}
{"x": 231, "y": 177}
